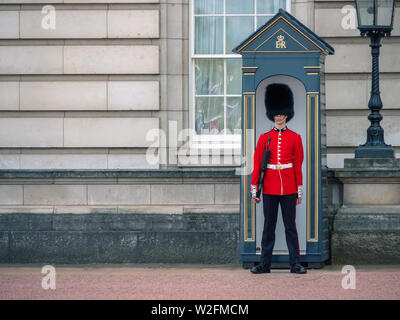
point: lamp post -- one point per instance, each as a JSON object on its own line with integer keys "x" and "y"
{"x": 375, "y": 19}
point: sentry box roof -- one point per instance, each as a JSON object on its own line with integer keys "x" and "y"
{"x": 283, "y": 33}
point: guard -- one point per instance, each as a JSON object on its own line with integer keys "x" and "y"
{"x": 283, "y": 178}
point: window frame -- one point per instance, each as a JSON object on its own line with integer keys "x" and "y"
{"x": 233, "y": 138}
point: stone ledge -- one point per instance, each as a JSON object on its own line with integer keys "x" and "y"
{"x": 115, "y": 173}
{"x": 153, "y": 209}
{"x": 365, "y": 221}
{"x": 221, "y": 222}
{"x": 367, "y": 173}
{"x": 368, "y": 209}
{"x": 372, "y": 163}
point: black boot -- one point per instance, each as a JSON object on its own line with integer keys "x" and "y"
{"x": 297, "y": 268}
{"x": 261, "y": 268}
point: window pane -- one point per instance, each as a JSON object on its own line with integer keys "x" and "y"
{"x": 237, "y": 30}
{"x": 261, "y": 20}
{"x": 209, "y": 76}
{"x": 233, "y": 76}
{"x": 384, "y": 13}
{"x": 208, "y": 6}
{"x": 208, "y": 35}
{"x": 233, "y": 114}
{"x": 270, "y": 6}
{"x": 240, "y": 6}
{"x": 209, "y": 115}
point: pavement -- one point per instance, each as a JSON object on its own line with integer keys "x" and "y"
{"x": 195, "y": 282}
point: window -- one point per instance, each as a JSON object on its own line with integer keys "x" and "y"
{"x": 218, "y": 26}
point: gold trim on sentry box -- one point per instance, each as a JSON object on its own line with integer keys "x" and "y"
{"x": 246, "y": 164}
{"x": 299, "y": 31}
{"x": 316, "y": 150}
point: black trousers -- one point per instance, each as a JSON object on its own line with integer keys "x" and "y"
{"x": 288, "y": 207}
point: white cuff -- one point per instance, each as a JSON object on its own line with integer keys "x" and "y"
{"x": 253, "y": 190}
{"x": 300, "y": 191}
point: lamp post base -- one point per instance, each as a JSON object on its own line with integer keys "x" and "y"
{"x": 382, "y": 151}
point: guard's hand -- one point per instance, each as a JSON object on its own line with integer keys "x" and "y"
{"x": 298, "y": 201}
{"x": 255, "y": 200}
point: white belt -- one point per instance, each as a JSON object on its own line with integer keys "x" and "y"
{"x": 279, "y": 166}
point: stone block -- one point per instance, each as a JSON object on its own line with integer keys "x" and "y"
{"x": 182, "y": 194}
{"x": 174, "y": 21}
{"x": 108, "y": 132}
{"x": 69, "y": 24}
{"x": 85, "y": 209}
{"x": 9, "y": 95}
{"x": 120, "y": 59}
{"x": 371, "y": 194}
{"x": 227, "y": 193}
{"x": 336, "y": 160}
{"x": 25, "y": 222}
{"x": 31, "y": 59}
{"x": 55, "y": 195}
{"x": 366, "y": 247}
{"x": 63, "y": 161}
{"x": 174, "y": 92}
{"x": 133, "y": 95}
{"x": 187, "y": 247}
{"x": 63, "y": 95}
{"x": 133, "y": 23}
{"x": 211, "y": 222}
{"x": 24, "y": 209}
{"x": 332, "y": 22}
{"x": 118, "y": 194}
{"x": 109, "y": 1}
{"x": 151, "y": 209}
{"x": 4, "y": 247}
{"x": 346, "y": 94}
{"x": 368, "y": 163}
{"x": 130, "y": 161}
{"x": 11, "y": 194}
{"x": 175, "y": 57}
{"x": 356, "y": 133}
{"x": 356, "y": 57}
{"x": 365, "y": 219}
{"x": 72, "y": 247}
{"x": 31, "y": 132}
{"x": 9, "y": 161}
{"x": 389, "y": 91}
{"x": 9, "y": 24}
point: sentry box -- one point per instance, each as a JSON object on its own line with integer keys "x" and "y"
{"x": 285, "y": 51}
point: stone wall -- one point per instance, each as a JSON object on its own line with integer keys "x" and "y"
{"x": 112, "y": 216}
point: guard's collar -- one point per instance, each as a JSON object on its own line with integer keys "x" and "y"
{"x": 280, "y": 130}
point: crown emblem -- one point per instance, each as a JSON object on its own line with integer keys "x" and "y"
{"x": 280, "y": 44}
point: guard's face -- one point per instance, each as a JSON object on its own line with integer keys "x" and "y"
{"x": 280, "y": 119}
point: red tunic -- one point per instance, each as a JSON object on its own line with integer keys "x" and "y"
{"x": 285, "y": 147}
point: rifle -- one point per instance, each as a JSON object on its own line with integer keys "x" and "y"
{"x": 263, "y": 168}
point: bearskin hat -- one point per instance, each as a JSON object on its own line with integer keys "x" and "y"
{"x": 279, "y": 100}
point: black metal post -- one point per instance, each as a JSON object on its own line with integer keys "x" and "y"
{"x": 375, "y": 147}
